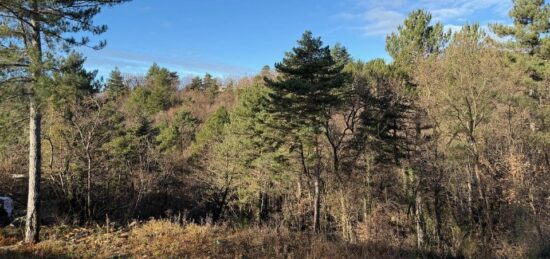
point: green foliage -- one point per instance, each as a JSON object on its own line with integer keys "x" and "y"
{"x": 306, "y": 86}
{"x": 71, "y": 82}
{"x": 417, "y": 38}
{"x": 384, "y": 111}
{"x": 375, "y": 72}
{"x": 32, "y": 50}
{"x": 208, "y": 84}
{"x": 250, "y": 123}
{"x": 250, "y": 119}
{"x": 13, "y": 116}
{"x": 131, "y": 143}
{"x": 158, "y": 93}
{"x": 115, "y": 86}
{"x": 248, "y": 157}
{"x": 177, "y": 132}
{"x": 530, "y": 43}
{"x": 469, "y": 33}
{"x": 211, "y": 131}
{"x": 449, "y": 162}
{"x": 531, "y": 27}
{"x": 340, "y": 55}
{"x": 196, "y": 83}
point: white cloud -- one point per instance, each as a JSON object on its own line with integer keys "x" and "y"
{"x": 377, "y": 17}
{"x": 346, "y": 16}
{"x": 138, "y": 63}
{"x": 449, "y": 13}
{"x": 453, "y": 27}
{"x": 380, "y": 21}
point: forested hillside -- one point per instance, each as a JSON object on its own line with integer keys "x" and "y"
{"x": 442, "y": 151}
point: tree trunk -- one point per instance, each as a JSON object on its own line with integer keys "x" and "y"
{"x": 32, "y": 228}
{"x": 335, "y": 160}
{"x": 484, "y": 204}
{"x": 469, "y": 193}
{"x": 438, "y": 217}
{"x": 263, "y": 212}
{"x": 347, "y": 224}
{"x": 317, "y": 203}
{"x": 418, "y": 219}
{"x": 535, "y": 216}
{"x": 89, "y": 187}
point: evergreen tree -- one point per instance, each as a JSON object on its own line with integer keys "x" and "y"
{"x": 162, "y": 85}
{"x": 211, "y": 131}
{"x": 340, "y": 55}
{"x": 196, "y": 83}
{"x": 30, "y": 32}
{"x": 260, "y": 150}
{"x": 530, "y": 53}
{"x": 211, "y": 87}
{"x": 417, "y": 38}
{"x": 177, "y": 132}
{"x": 115, "y": 84}
{"x": 210, "y": 83}
{"x": 266, "y": 71}
{"x": 303, "y": 94}
{"x": 304, "y": 89}
{"x": 245, "y": 158}
{"x": 72, "y": 83}
{"x": 383, "y": 114}
{"x": 13, "y": 114}
{"x": 531, "y": 27}
{"x": 158, "y": 93}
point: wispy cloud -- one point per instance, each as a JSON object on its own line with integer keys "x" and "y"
{"x": 138, "y": 63}
{"x": 375, "y": 18}
{"x": 380, "y": 21}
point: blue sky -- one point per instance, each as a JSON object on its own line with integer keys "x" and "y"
{"x": 231, "y": 38}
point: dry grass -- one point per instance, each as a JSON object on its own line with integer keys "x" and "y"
{"x": 163, "y": 239}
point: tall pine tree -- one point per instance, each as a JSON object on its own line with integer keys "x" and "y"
{"x": 304, "y": 92}
{"x": 31, "y": 31}
{"x": 115, "y": 84}
{"x": 531, "y": 25}
{"x": 417, "y": 38}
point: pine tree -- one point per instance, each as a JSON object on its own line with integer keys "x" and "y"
{"x": 529, "y": 43}
{"x": 162, "y": 85}
{"x": 158, "y": 93}
{"x": 340, "y": 55}
{"x": 31, "y": 30}
{"x": 177, "y": 132}
{"x": 531, "y": 25}
{"x": 416, "y": 38}
{"x": 210, "y": 84}
{"x": 72, "y": 83}
{"x": 304, "y": 88}
{"x": 115, "y": 84}
{"x": 196, "y": 83}
{"x": 211, "y": 131}
{"x": 246, "y": 158}
{"x": 303, "y": 94}
{"x": 211, "y": 87}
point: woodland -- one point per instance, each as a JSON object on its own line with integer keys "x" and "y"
{"x": 441, "y": 152}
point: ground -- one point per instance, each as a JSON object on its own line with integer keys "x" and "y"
{"x": 163, "y": 239}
